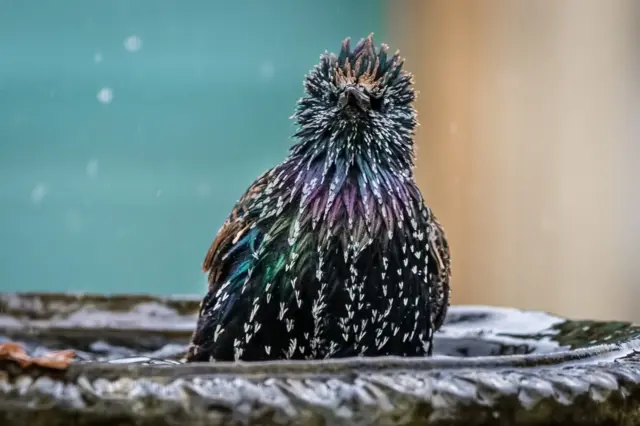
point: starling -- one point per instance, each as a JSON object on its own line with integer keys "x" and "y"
{"x": 332, "y": 253}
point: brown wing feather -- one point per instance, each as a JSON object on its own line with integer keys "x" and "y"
{"x": 439, "y": 249}
{"x": 232, "y": 230}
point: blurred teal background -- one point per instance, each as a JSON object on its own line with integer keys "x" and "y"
{"x": 129, "y": 128}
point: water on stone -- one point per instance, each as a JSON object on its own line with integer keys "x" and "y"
{"x": 153, "y": 331}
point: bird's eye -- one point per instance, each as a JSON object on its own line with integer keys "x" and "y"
{"x": 377, "y": 102}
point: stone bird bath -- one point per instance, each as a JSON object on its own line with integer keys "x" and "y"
{"x": 491, "y": 366}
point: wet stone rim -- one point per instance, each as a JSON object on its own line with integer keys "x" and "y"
{"x": 436, "y": 395}
{"x": 592, "y": 385}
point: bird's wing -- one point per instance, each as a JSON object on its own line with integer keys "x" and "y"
{"x": 234, "y": 228}
{"x": 227, "y": 262}
{"x": 440, "y": 254}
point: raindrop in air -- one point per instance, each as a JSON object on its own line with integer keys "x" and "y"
{"x": 105, "y": 95}
{"x": 38, "y": 193}
{"x": 97, "y": 58}
{"x": 92, "y": 168}
{"x": 267, "y": 70}
{"x": 133, "y": 43}
{"x": 203, "y": 190}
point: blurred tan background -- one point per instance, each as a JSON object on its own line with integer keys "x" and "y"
{"x": 527, "y": 147}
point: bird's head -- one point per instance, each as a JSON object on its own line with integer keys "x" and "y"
{"x": 360, "y": 97}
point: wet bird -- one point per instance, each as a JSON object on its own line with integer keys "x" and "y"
{"x": 332, "y": 253}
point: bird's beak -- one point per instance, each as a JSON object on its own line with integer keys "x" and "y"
{"x": 356, "y": 97}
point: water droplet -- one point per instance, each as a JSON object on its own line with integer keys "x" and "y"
{"x": 38, "y": 193}
{"x": 158, "y": 192}
{"x": 203, "y": 190}
{"x": 92, "y": 168}
{"x": 267, "y": 70}
{"x": 105, "y": 95}
{"x": 97, "y": 58}
{"x": 133, "y": 43}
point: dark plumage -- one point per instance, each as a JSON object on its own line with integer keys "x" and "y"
{"x": 333, "y": 252}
